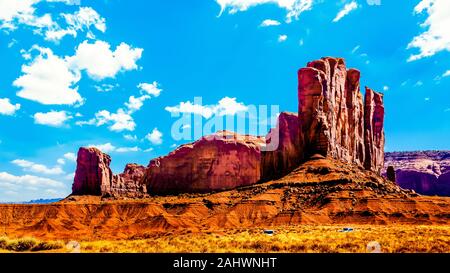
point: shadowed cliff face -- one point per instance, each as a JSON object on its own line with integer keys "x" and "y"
{"x": 426, "y": 172}
{"x": 332, "y": 121}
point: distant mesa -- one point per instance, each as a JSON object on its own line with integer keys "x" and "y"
{"x": 425, "y": 172}
{"x": 333, "y": 121}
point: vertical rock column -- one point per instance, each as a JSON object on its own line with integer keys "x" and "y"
{"x": 374, "y": 130}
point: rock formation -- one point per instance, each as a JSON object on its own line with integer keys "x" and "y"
{"x": 333, "y": 121}
{"x": 94, "y": 177}
{"x": 374, "y": 131}
{"x": 282, "y": 153}
{"x": 426, "y": 172}
{"x": 222, "y": 161}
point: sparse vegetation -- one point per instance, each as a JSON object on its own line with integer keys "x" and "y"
{"x": 291, "y": 239}
{"x": 28, "y": 245}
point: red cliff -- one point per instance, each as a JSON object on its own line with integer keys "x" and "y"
{"x": 282, "y": 150}
{"x": 333, "y": 121}
{"x": 222, "y": 161}
{"x": 94, "y": 177}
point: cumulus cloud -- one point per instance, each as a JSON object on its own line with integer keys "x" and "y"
{"x": 446, "y": 74}
{"x": 119, "y": 121}
{"x": 269, "y": 23}
{"x": 349, "y": 7}
{"x": 27, "y": 180}
{"x": 134, "y": 104}
{"x": 226, "y": 106}
{"x": 52, "y": 118}
{"x": 282, "y": 38}
{"x": 70, "y": 157}
{"x": 7, "y": 108}
{"x": 30, "y": 166}
{"x": 100, "y": 62}
{"x": 82, "y": 20}
{"x": 48, "y": 80}
{"x": 52, "y": 80}
{"x": 130, "y": 137}
{"x": 14, "y": 13}
{"x": 128, "y": 149}
{"x": 155, "y": 137}
{"x": 123, "y": 120}
{"x": 436, "y": 36}
{"x": 109, "y": 148}
{"x": 104, "y": 88}
{"x": 151, "y": 89}
{"x": 293, "y": 7}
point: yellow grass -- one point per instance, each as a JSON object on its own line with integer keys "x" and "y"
{"x": 292, "y": 239}
{"x": 289, "y": 239}
{"x": 28, "y": 244}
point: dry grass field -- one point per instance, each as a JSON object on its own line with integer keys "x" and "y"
{"x": 289, "y": 239}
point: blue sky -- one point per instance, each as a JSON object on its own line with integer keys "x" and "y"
{"x": 112, "y": 73}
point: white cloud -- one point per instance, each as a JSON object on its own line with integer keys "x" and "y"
{"x": 446, "y": 74}
{"x": 155, "y": 137}
{"x": 128, "y": 149}
{"x": 226, "y": 106}
{"x": 374, "y": 2}
{"x": 356, "y": 48}
{"x": 293, "y": 7}
{"x": 119, "y": 121}
{"x": 269, "y": 23}
{"x": 436, "y": 37}
{"x": 29, "y": 166}
{"x": 14, "y": 13}
{"x": 109, "y": 148}
{"x": 48, "y": 80}
{"x": 7, "y": 108}
{"x": 418, "y": 83}
{"x": 83, "y": 19}
{"x": 70, "y": 156}
{"x": 104, "y": 88}
{"x": 149, "y": 150}
{"x": 130, "y": 137}
{"x": 7, "y": 179}
{"x": 52, "y": 118}
{"x": 134, "y": 104}
{"x": 101, "y": 62}
{"x": 105, "y": 148}
{"x": 61, "y": 161}
{"x": 385, "y": 88}
{"x": 349, "y": 7}
{"x": 151, "y": 89}
{"x": 282, "y": 38}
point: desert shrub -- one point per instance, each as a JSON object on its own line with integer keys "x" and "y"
{"x": 20, "y": 245}
{"x": 45, "y": 246}
{"x": 28, "y": 244}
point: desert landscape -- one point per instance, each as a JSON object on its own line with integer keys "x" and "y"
{"x": 328, "y": 186}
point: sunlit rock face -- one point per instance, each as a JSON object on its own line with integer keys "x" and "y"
{"x": 222, "y": 161}
{"x": 333, "y": 119}
{"x": 94, "y": 177}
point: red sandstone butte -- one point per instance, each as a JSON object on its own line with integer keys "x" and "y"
{"x": 222, "y": 161}
{"x": 94, "y": 177}
{"x": 282, "y": 153}
{"x": 332, "y": 119}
